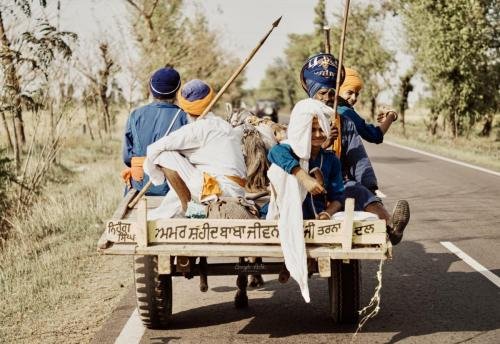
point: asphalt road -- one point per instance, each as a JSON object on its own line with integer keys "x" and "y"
{"x": 429, "y": 295}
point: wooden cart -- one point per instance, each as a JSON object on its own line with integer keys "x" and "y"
{"x": 161, "y": 250}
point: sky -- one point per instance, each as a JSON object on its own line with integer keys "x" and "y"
{"x": 241, "y": 24}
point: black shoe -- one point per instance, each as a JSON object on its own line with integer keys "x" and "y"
{"x": 400, "y": 218}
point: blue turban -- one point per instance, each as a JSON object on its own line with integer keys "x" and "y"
{"x": 164, "y": 83}
{"x": 319, "y": 71}
{"x": 195, "y": 90}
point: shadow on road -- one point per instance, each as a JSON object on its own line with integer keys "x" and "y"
{"x": 395, "y": 160}
{"x": 420, "y": 296}
{"x": 423, "y": 295}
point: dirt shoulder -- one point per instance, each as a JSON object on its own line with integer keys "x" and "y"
{"x": 54, "y": 286}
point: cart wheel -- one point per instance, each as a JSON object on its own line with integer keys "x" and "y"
{"x": 344, "y": 290}
{"x": 153, "y": 292}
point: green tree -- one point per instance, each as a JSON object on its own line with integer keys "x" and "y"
{"x": 320, "y": 21}
{"x": 278, "y": 85}
{"x": 400, "y": 100}
{"x": 25, "y": 58}
{"x": 456, "y": 48}
{"x": 165, "y": 36}
{"x": 363, "y": 51}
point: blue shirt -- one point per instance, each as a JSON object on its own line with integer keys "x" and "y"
{"x": 369, "y": 132}
{"x": 146, "y": 125}
{"x": 283, "y": 156}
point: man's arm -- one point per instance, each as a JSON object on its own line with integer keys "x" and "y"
{"x": 385, "y": 118}
{"x": 189, "y": 136}
{"x": 282, "y": 155}
{"x": 310, "y": 183}
{"x": 369, "y": 132}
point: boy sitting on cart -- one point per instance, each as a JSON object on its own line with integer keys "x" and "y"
{"x": 296, "y": 195}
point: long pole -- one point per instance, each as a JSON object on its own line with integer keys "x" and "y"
{"x": 216, "y": 98}
{"x": 341, "y": 55}
{"x": 326, "y": 30}
{"x": 240, "y": 68}
{"x": 338, "y": 140}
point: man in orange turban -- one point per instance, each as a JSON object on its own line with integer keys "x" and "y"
{"x": 349, "y": 93}
{"x": 202, "y": 160}
{"x": 352, "y": 85}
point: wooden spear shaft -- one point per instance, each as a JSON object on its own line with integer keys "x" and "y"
{"x": 328, "y": 48}
{"x": 216, "y": 98}
{"x": 341, "y": 55}
{"x": 240, "y": 68}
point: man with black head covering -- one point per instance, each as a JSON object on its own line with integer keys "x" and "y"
{"x": 318, "y": 77}
{"x": 148, "y": 124}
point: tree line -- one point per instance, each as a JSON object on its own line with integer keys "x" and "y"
{"x": 56, "y": 79}
{"x": 454, "y": 46}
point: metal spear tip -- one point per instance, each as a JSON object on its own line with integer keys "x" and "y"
{"x": 277, "y": 22}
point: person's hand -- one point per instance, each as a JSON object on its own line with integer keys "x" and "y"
{"x": 334, "y": 133}
{"x": 309, "y": 183}
{"x": 380, "y": 117}
{"x": 386, "y": 113}
{"x": 324, "y": 216}
{"x": 313, "y": 186}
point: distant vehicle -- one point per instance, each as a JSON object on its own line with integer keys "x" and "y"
{"x": 266, "y": 108}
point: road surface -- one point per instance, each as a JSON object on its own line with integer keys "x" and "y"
{"x": 429, "y": 294}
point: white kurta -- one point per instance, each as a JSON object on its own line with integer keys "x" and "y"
{"x": 209, "y": 145}
{"x": 286, "y": 203}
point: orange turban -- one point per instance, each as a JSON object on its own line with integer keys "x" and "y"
{"x": 195, "y": 96}
{"x": 352, "y": 81}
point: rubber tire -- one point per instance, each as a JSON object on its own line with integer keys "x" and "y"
{"x": 344, "y": 291}
{"x": 153, "y": 292}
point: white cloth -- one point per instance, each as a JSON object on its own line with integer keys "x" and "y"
{"x": 288, "y": 194}
{"x": 358, "y": 216}
{"x": 210, "y": 144}
{"x": 207, "y": 145}
{"x": 267, "y": 135}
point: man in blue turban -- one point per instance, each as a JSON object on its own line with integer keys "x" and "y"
{"x": 318, "y": 77}
{"x": 148, "y": 124}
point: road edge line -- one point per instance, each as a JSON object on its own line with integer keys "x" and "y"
{"x": 472, "y": 262}
{"x": 133, "y": 330}
{"x": 453, "y": 161}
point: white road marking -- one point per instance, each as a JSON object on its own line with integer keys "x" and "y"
{"x": 472, "y": 263}
{"x": 132, "y": 331}
{"x": 443, "y": 158}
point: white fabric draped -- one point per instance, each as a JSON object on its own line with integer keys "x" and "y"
{"x": 288, "y": 194}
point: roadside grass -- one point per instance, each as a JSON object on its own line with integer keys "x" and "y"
{"x": 481, "y": 151}
{"x": 54, "y": 287}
